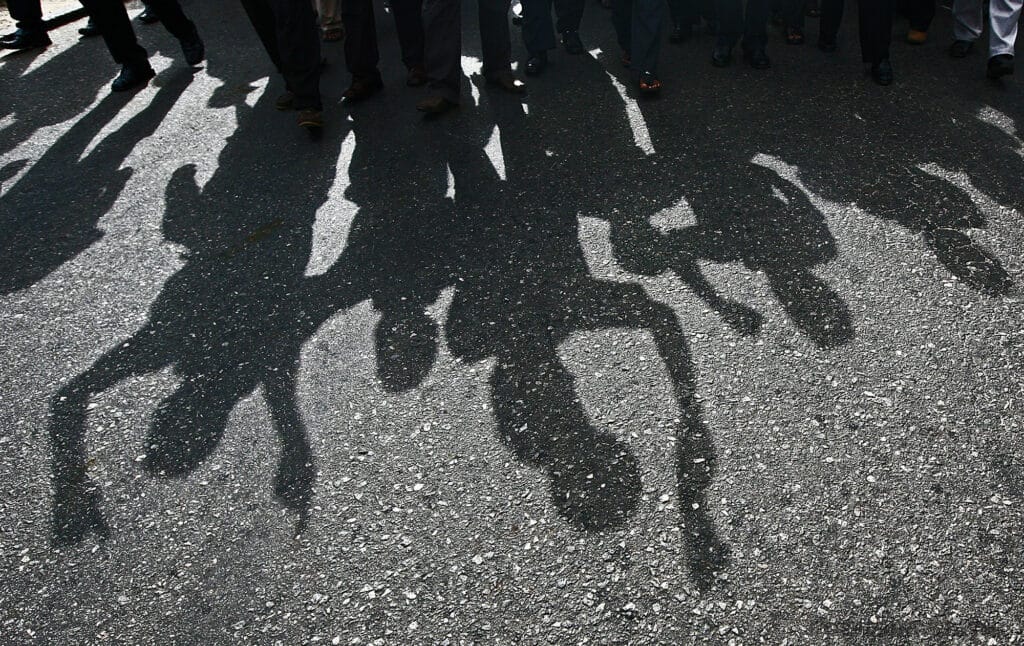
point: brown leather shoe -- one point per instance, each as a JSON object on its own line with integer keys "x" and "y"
{"x": 435, "y": 105}
{"x": 361, "y": 89}
{"x": 507, "y": 81}
{"x": 417, "y": 76}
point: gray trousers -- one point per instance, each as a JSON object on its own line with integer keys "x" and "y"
{"x": 1002, "y": 21}
{"x": 442, "y": 26}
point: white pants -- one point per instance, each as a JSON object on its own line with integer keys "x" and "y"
{"x": 1003, "y": 16}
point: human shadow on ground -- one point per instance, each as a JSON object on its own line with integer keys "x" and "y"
{"x": 485, "y": 203}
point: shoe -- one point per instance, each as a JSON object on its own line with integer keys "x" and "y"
{"x": 827, "y": 46}
{"x": 436, "y": 105}
{"x": 572, "y": 43}
{"x": 882, "y": 72}
{"x": 680, "y": 34}
{"x": 311, "y": 119}
{"x": 417, "y": 76}
{"x": 999, "y": 66}
{"x": 916, "y": 37}
{"x": 757, "y": 58}
{"x": 507, "y": 81}
{"x": 194, "y": 49}
{"x": 961, "y": 48}
{"x": 285, "y": 102}
{"x": 721, "y": 55}
{"x": 89, "y": 30}
{"x": 132, "y": 77}
{"x": 361, "y": 89}
{"x": 649, "y": 84}
{"x": 536, "y": 64}
{"x": 23, "y": 39}
{"x": 148, "y": 17}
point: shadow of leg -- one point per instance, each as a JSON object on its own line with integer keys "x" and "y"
{"x": 969, "y": 262}
{"x": 293, "y": 482}
{"x": 817, "y": 310}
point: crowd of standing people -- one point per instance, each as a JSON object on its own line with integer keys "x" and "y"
{"x": 430, "y": 37}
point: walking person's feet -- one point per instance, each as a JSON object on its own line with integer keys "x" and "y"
{"x": 999, "y": 66}
{"x": 507, "y": 81}
{"x": 417, "y": 76}
{"x": 25, "y": 39}
{"x": 133, "y": 76}
{"x": 721, "y": 55}
{"x": 311, "y": 119}
{"x": 436, "y": 105}
{"x": 362, "y": 89}
{"x": 757, "y": 58}
{"x": 960, "y": 48}
{"x": 536, "y": 63}
{"x": 572, "y": 43}
{"x": 89, "y": 30}
{"x": 193, "y": 48}
{"x": 881, "y": 72}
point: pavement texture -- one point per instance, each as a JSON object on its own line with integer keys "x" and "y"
{"x": 739, "y": 365}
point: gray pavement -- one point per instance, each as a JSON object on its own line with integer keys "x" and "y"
{"x": 739, "y": 365}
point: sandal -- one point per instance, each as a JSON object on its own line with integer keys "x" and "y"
{"x": 794, "y": 36}
{"x": 649, "y": 83}
{"x": 333, "y": 34}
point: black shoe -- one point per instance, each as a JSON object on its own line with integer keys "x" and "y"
{"x": 826, "y": 45}
{"x": 757, "y": 58}
{"x": 436, "y": 105}
{"x": 132, "y": 77}
{"x": 960, "y": 48}
{"x": 193, "y": 49}
{"x": 882, "y": 72}
{"x": 680, "y": 34}
{"x": 999, "y": 66}
{"x": 507, "y": 81}
{"x": 89, "y": 30}
{"x": 311, "y": 119}
{"x": 572, "y": 43}
{"x": 148, "y": 17}
{"x": 536, "y": 64}
{"x": 362, "y": 89}
{"x": 721, "y": 56}
{"x": 24, "y": 39}
{"x": 285, "y": 102}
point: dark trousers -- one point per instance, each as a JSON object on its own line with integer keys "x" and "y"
{"x": 875, "y": 20}
{"x": 361, "y": 53}
{"x": 689, "y": 12}
{"x": 289, "y": 33}
{"x": 792, "y": 12}
{"x": 27, "y": 13}
{"x": 442, "y": 24}
{"x": 920, "y": 13}
{"x": 638, "y": 25}
{"x": 538, "y": 29}
{"x": 735, "y": 21}
{"x": 112, "y": 20}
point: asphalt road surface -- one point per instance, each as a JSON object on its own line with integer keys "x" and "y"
{"x": 739, "y": 365}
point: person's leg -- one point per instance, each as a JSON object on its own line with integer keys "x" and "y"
{"x": 648, "y": 19}
{"x": 361, "y": 53}
{"x": 755, "y": 24}
{"x": 442, "y": 26}
{"x": 793, "y": 14}
{"x": 622, "y": 20}
{"x": 330, "y": 14}
{"x": 298, "y": 43}
{"x": 1004, "y": 15}
{"x": 875, "y": 18}
{"x": 967, "y": 17}
{"x": 495, "y": 37}
{"x": 112, "y": 19}
{"x": 920, "y": 13}
{"x": 538, "y": 28}
{"x": 262, "y": 18}
{"x": 173, "y": 18}
{"x": 569, "y": 14}
{"x": 730, "y": 21}
{"x": 409, "y": 27}
{"x": 828, "y": 26}
{"x": 27, "y": 14}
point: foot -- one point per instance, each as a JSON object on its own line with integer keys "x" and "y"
{"x": 536, "y": 64}
{"x": 361, "y": 89}
{"x": 916, "y": 37}
{"x": 417, "y": 76}
{"x": 436, "y": 105}
{"x": 680, "y": 34}
{"x": 194, "y": 49}
{"x": 827, "y": 46}
{"x": 507, "y": 81}
{"x": 960, "y": 48}
{"x": 757, "y": 58}
{"x": 721, "y": 56}
{"x": 148, "y": 17}
{"x": 285, "y": 102}
{"x": 89, "y": 30}
{"x": 794, "y": 36}
{"x": 572, "y": 43}
{"x": 132, "y": 77}
{"x": 649, "y": 83}
{"x": 882, "y": 72}
{"x": 23, "y": 39}
{"x": 311, "y": 119}
{"x": 999, "y": 66}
